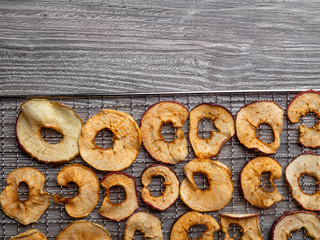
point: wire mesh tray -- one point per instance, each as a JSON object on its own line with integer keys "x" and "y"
{"x": 233, "y": 154}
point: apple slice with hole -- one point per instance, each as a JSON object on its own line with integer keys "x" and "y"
{"x": 300, "y": 105}
{"x": 31, "y": 234}
{"x": 41, "y": 113}
{"x": 151, "y": 123}
{"x": 254, "y": 114}
{"x": 293, "y": 221}
{"x": 250, "y": 179}
{"x": 223, "y": 121}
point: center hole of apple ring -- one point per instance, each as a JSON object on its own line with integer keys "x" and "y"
{"x": 103, "y": 139}
{"x": 265, "y": 133}
{"x": 205, "y": 127}
{"x": 300, "y": 234}
{"x": 117, "y": 194}
{"x": 168, "y": 132}
{"x": 71, "y": 191}
{"x": 196, "y": 231}
{"x": 51, "y": 135}
{"x": 23, "y": 191}
{"x": 235, "y": 231}
{"x": 308, "y": 184}
{"x": 156, "y": 186}
{"x": 139, "y": 235}
{"x": 201, "y": 181}
{"x": 265, "y": 182}
{"x": 309, "y": 120}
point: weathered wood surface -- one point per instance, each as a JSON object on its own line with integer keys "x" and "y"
{"x": 91, "y": 47}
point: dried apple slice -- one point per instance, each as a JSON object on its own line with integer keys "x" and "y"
{"x": 251, "y": 116}
{"x": 126, "y": 145}
{"x": 251, "y": 179}
{"x": 248, "y": 222}
{"x": 171, "y": 184}
{"x": 30, "y": 210}
{"x": 88, "y": 190}
{"x": 127, "y": 207}
{"x": 164, "y": 113}
{"x": 301, "y": 104}
{"x": 309, "y": 164}
{"x": 146, "y": 223}
{"x": 180, "y": 228}
{"x": 223, "y": 121}
{"x": 41, "y": 113}
{"x": 84, "y": 230}
{"x": 219, "y": 192}
{"x": 32, "y": 234}
{"x": 293, "y": 221}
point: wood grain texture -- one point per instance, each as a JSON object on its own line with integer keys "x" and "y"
{"x": 91, "y": 47}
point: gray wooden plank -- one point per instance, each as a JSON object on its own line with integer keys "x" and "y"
{"x": 91, "y": 47}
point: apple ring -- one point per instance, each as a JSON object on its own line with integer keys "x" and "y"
{"x": 223, "y": 121}
{"x": 254, "y": 114}
{"x": 220, "y": 190}
{"x": 32, "y": 234}
{"x": 151, "y": 124}
{"x": 84, "y": 230}
{"x": 180, "y": 228}
{"x": 304, "y": 164}
{"x": 300, "y": 105}
{"x": 250, "y": 181}
{"x": 127, "y": 207}
{"x": 88, "y": 190}
{"x": 126, "y": 145}
{"x": 30, "y": 210}
{"x": 41, "y": 113}
{"x": 171, "y": 183}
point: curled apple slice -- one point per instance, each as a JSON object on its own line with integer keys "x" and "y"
{"x": 293, "y": 221}
{"x": 41, "y": 113}
{"x": 248, "y": 222}
{"x": 126, "y": 145}
{"x": 30, "y": 210}
{"x": 32, "y": 234}
{"x": 146, "y": 223}
{"x": 223, "y": 121}
{"x": 186, "y": 221}
{"x": 171, "y": 183}
{"x": 84, "y": 230}
{"x": 251, "y": 116}
{"x": 88, "y": 190}
{"x": 301, "y": 104}
{"x": 151, "y": 123}
{"x": 219, "y": 192}
{"x": 304, "y": 164}
{"x": 251, "y": 179}
{"x": 124, "y": 209}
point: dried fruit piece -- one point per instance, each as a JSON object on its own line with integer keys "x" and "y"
{"x": 293, "y": 221}
{"x": 251, "y": 116}
{"x": 251, "y": 179}
{"x": 41, "y": 113}
{"x": 88, "y": 190}
{"x": 219, "y": 192}
{"x": 124, "y": 209}
{"x": 304, "y": 164}
{"x": 32, "y": 234}
{"x": 248, "y": 222}
{"x": 300, "y": 105}
{"x": 126, "y": 145}
{"x": 30, "y": 210}
{"x": 146, "y": 223}
{"x": 171, "y": 183}
{"x": 222, "y": 120}
{"x": 151, "y": 123}
{"x": 84, "y": 230}
{"x": 180, "y": 228}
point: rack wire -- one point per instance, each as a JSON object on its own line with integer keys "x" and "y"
{"x": 233, "y": 154}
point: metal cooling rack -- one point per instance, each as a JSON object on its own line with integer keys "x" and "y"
{"x": 233, "y": 154}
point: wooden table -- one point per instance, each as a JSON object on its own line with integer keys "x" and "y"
{"x": 110, "y": 47}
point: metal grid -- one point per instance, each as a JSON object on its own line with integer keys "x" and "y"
{"x": 233, "y": 154}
